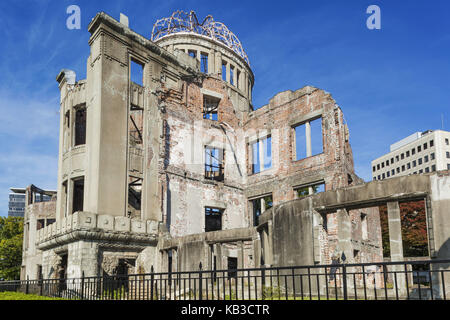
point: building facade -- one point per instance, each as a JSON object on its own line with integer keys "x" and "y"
{"x": 165, "y": 163}
{"x": 421, "y": 152}
{"x": 16, "y": 204}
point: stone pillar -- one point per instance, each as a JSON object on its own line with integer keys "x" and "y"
{"x": 396, "y": 245}
{"x": 82, "y": 256}
{"x": 228, "y": 72}
{"x": 344, "y": 243}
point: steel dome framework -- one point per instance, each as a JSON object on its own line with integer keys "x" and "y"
{"x": 181, "y": 21}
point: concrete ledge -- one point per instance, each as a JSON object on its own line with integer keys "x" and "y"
{"x": 109, "y": 225}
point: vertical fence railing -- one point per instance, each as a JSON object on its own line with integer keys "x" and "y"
{"x": 417, "y": 280}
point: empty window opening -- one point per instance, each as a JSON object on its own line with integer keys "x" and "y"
{"x": 78, "y": 195}
{"x": 40, "y": 224}
{"x": 204, "y": 62}
{"x": 192, "y": 53}
{"x": 260, "y": 205}
{"x": 80, "y": 126}
{"x": 214, "y": 164}
{"x": 134, "y": 197}
{"x": 62, "y": 270}
{"x": 261, "y": 151}
{"x": 232, "y": 267}
{"x": 137, "y": 72}
{"x": 309, "y": 139}
{"x": 311, "y": 189}
{"x": 413, "y": 227}
{"x": 210, "y": 107}
{"x": 213, "y": 219}
{"x": 232, "y": 75}
{"x": 224, "y": 71}
{"x": 136, "y": 124}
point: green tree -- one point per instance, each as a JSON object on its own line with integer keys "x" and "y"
{"x": 11, "y": 238}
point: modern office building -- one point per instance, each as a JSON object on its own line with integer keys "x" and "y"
{"x": 421, "y": 152}
{"x": 16, "y": 205}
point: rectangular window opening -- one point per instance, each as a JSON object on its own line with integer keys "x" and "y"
{"x": 260, "y": 205}
{"x": 204, "y": 62}
{"x": 78, "y": 195}
{"x": 214, "y": 164}
{"x": 137, "y": 72}
{"x": 210, "y": 107}
{"x": 213, "y": 219}
{"x": 80, "y": 126}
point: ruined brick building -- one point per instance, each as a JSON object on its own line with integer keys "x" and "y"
{"x": 175, "y": 166}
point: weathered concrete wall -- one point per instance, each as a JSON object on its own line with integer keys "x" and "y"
{"x": 31, "y": 255}
{"x": 292, "y": 236}
{"x": 440, "y": 214}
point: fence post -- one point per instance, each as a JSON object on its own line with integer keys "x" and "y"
{"x": 27, "y": 284}
{"x": 344, "y": 281}
{"x": 152, "y": 277}
{"x": 82, "y": 285}
{"x": 200, "y": 287}
{"x": 263, "y": 283}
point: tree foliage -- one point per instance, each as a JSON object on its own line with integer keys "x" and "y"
{"x": 414, "y": 229}
{"x": 11, "y": 238}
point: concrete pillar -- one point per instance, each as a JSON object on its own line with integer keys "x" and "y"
{"x": 396, "y": 244}
{"x": 308, "y": 139}
{"x": 344, "y": 242}
{"x": 211, "y": 62}
{"x": 218, "y": 58}
{"x": 82, "y": 257}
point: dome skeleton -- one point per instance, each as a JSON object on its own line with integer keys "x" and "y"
{"x": 181, "y": 21}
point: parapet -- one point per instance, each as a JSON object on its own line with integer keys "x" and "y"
{"x": 90, "y": 226}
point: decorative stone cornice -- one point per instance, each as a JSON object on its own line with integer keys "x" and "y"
{"x": 104, "y": 228}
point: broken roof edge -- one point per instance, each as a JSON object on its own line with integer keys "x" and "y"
{"x": 68, "y": 75}
{"x": 115, "y": 25}
{"x": 289, "y": 97}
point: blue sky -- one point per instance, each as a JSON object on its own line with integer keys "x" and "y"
{"x": 389, "y": 83}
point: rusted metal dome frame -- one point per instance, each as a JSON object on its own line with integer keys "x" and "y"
{"x": 181, "y": 21}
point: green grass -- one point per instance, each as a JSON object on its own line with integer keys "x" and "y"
{"x": 8, "y": 295}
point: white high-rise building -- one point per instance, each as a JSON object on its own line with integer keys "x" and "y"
{"x": 421, "y": 152}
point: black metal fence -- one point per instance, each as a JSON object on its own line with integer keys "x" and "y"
{"x": 421, "y": 280}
